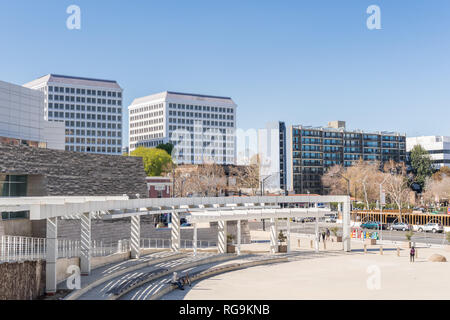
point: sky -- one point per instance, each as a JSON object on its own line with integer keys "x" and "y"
{"x": 302, "y": 62}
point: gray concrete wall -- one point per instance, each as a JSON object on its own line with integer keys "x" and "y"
{"x": 65, "y": 173}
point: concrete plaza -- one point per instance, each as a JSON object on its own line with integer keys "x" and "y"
{"x": 331, "y": 274}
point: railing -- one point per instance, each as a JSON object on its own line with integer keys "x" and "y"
{"x": 15, "y": 248}
{"x": 147, "y": 243}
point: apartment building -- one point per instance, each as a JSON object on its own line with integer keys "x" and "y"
{"x": 437, "y": 146}
{"x": 311, "y": 150}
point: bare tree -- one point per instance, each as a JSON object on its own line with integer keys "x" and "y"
{"x": 396, "y": 184}
{"x": 248, "y": 177}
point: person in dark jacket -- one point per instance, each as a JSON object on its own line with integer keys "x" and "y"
{"x": 412, "y": 254}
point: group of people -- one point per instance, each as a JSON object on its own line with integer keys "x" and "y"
{"x": 325, "y": 235}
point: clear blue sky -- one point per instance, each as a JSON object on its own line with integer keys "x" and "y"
{"x": 304, "y": 62}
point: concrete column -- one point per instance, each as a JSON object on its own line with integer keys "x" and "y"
{"x": 317, "y": 235}
{"x": 273, "y": 236}
{"x": 176, "y": 232}
{"x": 346, "y": 226}
{"x": 222, "y": 235}
{"x": 195, "y": 239}
{"x": 51, "y": 256}
{"x": 85, "y": 254}
{"x": 135, "y": 237}
{"x": 288, "y": 242}
{"x": 239, "y": 237}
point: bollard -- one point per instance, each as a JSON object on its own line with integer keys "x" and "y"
{"x": 311, "y": 243}
{"x": 299, "y": 243}
{"x": 398, "y": 252}
{"x": 381, "y": 250}
{"x": 365, "y": 248}
{"x": 417, "y": 254}
{"x": 324, "y": 245}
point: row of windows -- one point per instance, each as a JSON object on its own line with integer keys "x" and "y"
{"x": 82, "y": 124}
{"x": 88, "y": 92}
{"x": 147, "y": 108}
{"x": 199, "y": 108}
{"x": 146, "y": 123}
{"x": 94, "y": 149}
{"x": 146, "y": 115}
{"x": 83, "y": 100}
{"x": 72, "y": 132}
{"x": 71, "y": 115}
{"x": 146, "y": 129}
{"x": 93, "y": 141}
{"x": 62, "y": 106}
{"x": 201, "y": 115}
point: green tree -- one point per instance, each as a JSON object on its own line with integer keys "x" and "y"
{"x": 168, "y": 147}
{"x": 155, "y": 160}
{"x": 421, "y": 165}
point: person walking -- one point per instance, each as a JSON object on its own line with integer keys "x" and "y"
{"x": 323, "y": 236}
{"x": 412, "y": 254}
{"x": 328, "y": 234}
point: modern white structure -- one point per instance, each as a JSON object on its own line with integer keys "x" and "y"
{"x": 91, "y": 110}
{"x": 22, "y": 118}
{"x": 437, "y": 146}
{"x": 201, "y": 127}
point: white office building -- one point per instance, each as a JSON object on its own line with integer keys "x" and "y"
{"x": 22, "y": 119}
{"x": 90, "y": 109}
{"x": 201, "y": 127}
{"x": 437, "y": 146}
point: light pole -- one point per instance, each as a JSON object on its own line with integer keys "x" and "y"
{"x": 262, "y": 193}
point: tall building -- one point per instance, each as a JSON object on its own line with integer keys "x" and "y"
{"x": 22, "y": 119}
{"x": 201, "y": 127}
{"x": 273, "y": 157}
{"x": 311, "y": 150}
{"x": 437, "y": 146}
{"x": 90, "y": 109}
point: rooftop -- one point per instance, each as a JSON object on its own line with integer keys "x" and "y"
{"x": 167, "y": 95}
{"x": 81, "y": 81}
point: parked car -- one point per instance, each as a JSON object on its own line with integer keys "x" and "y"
{"x": 372, "y": 225}
{"x": 418, "y": 210}
{"x": 303, "y": 220}
{"x": 186, "y": 224}
{"x": 400, "y": 226}
{"x": 431, "y": 227}
{"x": 331, "y": 219}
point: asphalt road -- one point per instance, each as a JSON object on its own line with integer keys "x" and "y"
{"x": 309, "y": 228}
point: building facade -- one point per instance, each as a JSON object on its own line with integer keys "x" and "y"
{"x": 22, "y": 119}
{"x": 310, "y": 151}
{"x": 90, "y": 109}
{"x": 159, "y": 187}
{"x": 201, "y": 127}
{"x": 437, "y": 146}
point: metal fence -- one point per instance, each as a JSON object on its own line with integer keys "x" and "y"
{"x": 148, "y": 243}
{"x": 15, "y": 248}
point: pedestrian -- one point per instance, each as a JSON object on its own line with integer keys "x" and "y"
{"x": 323, "y": 236}
{"x": 412, "y": 254}
{"x": 328, "y": 234}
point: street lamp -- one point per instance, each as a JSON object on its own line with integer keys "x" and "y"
{"x": 262, "y": 193}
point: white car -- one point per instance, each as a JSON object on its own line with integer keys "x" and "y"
{"x": 431, "y": 227}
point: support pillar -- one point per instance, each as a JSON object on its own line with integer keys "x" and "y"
{"x": 346, "y": 225}
{"x": 176, "y": 232}
{"x": 135, "y": 237}
{"x": 273, "y": 236}
{"x": 317, "y": 235}
{"x": 195, "y": 239}
{"x": 85, "y": 245}
{"x": 51, "y": 256}
{"x": 239, "y": 237}
{"x": 222, "y": 234}
{"x": 288, "y": 242}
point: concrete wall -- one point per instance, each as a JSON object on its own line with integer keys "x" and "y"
{"x": 17, "y": 227}
{"x": 22, "y": 280}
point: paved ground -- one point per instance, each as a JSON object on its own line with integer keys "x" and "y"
{"x": 332, "y": 274}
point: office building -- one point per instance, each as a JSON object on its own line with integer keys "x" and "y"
{"x": 201, "y": 127}
{"x": 22, "y": 119}
{"x": 437, "y": 146}
{"x": 310, "y": 151}
{"x": 90, "y": 109}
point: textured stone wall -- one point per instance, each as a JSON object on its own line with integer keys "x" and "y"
{"x": 22, "y": 280}
{"x": 65, "y": 173}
